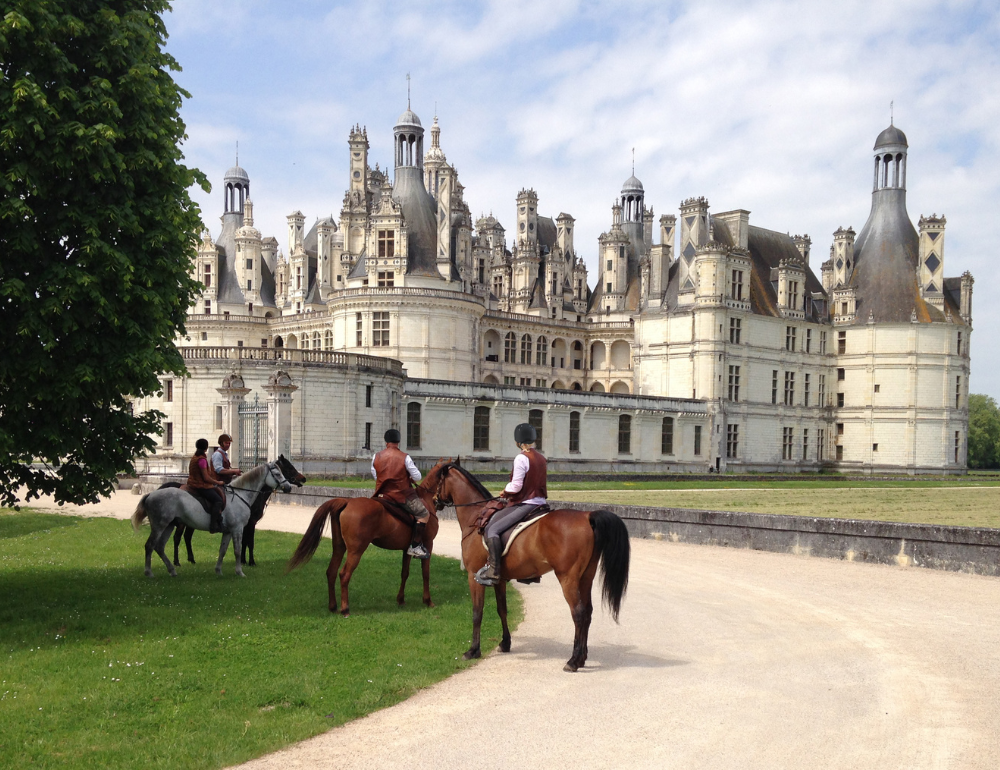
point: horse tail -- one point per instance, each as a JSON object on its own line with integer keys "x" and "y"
{"x": 140, "y": 513}
{"x": 612, "y": 545}
{"x": 314, "y": 533}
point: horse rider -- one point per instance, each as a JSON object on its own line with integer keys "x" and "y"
{"x": 204, "y": 484}
{"x": 525, "y": 491}
{"x": 220, "y": 460}
{"x": 394, "y": 473}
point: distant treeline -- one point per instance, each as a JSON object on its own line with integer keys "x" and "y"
{"x": 984, "y": 432}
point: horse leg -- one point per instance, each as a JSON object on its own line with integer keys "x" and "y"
{"x": 501, "y": 591}
{"x": 222, "y": 552}
{"x": 149, "y": 553}
{"x": 478, "y": 594}
{"x": 178, "y": 533}
{"x": 345, "y": 578}
{"x": 331, "y": 572}
{"x": 248, "y": 535}
{"x": 238, "y": 551}
{"x": 159, "y": 545}
{"x": 425, "y": 571}
{"x": 577, "y": 594}
{"x": 188, "y": 532}
{"x": 400, "y": 600}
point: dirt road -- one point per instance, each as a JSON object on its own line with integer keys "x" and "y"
{"x": 723, "y": 659}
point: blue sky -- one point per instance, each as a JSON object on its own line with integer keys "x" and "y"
{"x": 767, "y": 106}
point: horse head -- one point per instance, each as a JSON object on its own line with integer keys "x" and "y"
{"x": 275, "y": 475}
{"x": 290, "y": 471}
{"x": 454, "y": 485}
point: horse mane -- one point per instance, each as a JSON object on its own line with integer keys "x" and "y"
{"x": 476, "y": 483}
{"x": 249, "y": 479}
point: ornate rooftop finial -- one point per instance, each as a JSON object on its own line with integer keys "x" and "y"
{"x": 890, "y": 113}
{"x": 633, "y": 161}
{"x": 408, "y": 92}
{"x": 237, "y": 152}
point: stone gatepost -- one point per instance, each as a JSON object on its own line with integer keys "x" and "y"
{"x": 233, "y": 392}
{"x": 279, "y": 414}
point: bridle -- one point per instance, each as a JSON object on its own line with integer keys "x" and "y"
{"x": 440, "y": 504}
{"x": 257, "y": 493}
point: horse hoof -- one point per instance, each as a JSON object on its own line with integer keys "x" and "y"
{"x": 149, "y": 573}
{"x": 428, "y": 603}
{"x": 345, "y": 613}
{"x": 470, "y": 654}
{"x": 401, "y": 602}
{"x": 570, "y": 668}
{"x": 505, "y": 646}
{"x": 173, "y": 574}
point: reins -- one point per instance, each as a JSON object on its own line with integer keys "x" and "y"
{"x": 256, "y": 493}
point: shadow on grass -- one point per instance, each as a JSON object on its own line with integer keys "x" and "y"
{"x": 20, "y": 523}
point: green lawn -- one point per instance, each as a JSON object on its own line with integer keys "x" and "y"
{"x": 105, "y": 668}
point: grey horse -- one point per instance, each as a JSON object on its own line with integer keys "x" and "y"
{"x": 165, "y": 506}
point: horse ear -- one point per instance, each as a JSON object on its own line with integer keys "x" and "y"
{"x": 458, "y": 461}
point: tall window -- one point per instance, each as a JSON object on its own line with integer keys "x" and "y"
{"x": 958, "y": 391}
{"x": 413, "y": 425}
{"x": 774, "y": 386}
{"x": 380, "y": 329}
{"x": 732, "y": 441}
{"x": 386, "y": 278}
{"x": 481, "y": 429}
{"x": 841, "y": 342}
{"x": 841, "y": 374}
{"x": 168, "y": 434}
{"x": 368, "y": 436}
{"x": 735, "y": 329}
{"x": 327, "y": 340}
{"x": 498, "y": 285}
{"x": 510, "y": 348}
{"x": 168, "y": 390}
{"x": 482, "y": 271}
{"x": 822, "y": 343}
{"x": 789, "y": 388}
{"x": 958, "y": 444}
{"x": 208, "y": 277}
{"x": 298, "y": 278}
{"x": 526, "y": 349}
{"x": 958, "y": 347}
{"x": 805, "y": 443}
{"x": 315, "y": 340}
{"x": 208, "y": 307}
{"x": 734, "y": 383}
{"x": 820, "y": 441}
{"x": 809, "y": 340}
{"x": 386, "y": 243}
{"x": 787, "y": 437}
{"x": 542, "y": 352}
{"x": 667, "y": 436}
{"x": 368, "y": 395}
{"x": 736, "y": 291}
{"x": 790, "y": 333}
{"x": 249, "y": 285}
{"x": 359, "y": 326}
{"x": 793, "y": 295}
{"x": 624, "y": 434}
{"x": 821, "y": 391}
{"x": 805, "y": 390}
{"x": 574, "y": 431}
{"x": 697, "y": 440}
{"x": 535, "y": 421}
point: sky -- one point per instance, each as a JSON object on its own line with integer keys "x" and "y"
{"x": 767, "y": 106}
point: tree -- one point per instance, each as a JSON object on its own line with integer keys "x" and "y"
{"x": 984, "y": 432}
{"x": 98, "y": 233}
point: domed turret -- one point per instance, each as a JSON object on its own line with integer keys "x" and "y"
{"x": 632, "y": 200}
{"x": 236, "y": 188}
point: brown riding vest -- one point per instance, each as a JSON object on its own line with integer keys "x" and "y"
{"x": 194, "y": 474}
{"x": 534, "y": 479}
{"x": 393, "y": 480}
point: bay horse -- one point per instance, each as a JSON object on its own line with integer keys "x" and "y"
{"x": 184, "y": 531}
{"x": 356, "y": 523}
{"x": 165, "y": 507}
{"x": 571, "y": 543}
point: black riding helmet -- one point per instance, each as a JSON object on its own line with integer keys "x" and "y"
{"x": 392, "y": 436}
{"x": 525, "y": 434}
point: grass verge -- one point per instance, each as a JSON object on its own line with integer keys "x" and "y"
{"x": 105, "y": 668}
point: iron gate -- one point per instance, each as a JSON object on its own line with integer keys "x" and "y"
{"x": 253, "y": 434}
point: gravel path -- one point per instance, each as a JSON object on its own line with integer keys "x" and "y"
{"x": 724, "y": 659}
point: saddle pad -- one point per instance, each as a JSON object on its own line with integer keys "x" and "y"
{"x": 517, "y": 529}
{"x": 395, "y": 509}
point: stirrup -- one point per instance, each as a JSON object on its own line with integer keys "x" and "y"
{"x": 417, "y": 550}
{"x": 484, "y": 578}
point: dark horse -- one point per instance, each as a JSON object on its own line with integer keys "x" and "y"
{"x": 256, "y": 514}
{"x": 355, "y": 523}
{"x": 570, "y": 543}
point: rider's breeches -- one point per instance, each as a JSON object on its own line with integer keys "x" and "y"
{"x": 212, "y": 497}
{"x": 416, "y": 506}
{"x": 506, "y": 518}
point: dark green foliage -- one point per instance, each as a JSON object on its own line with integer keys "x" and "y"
{"x": 98, "y": 233}
{"x": 105, "y": 668}
{"x": 984, "y": 432}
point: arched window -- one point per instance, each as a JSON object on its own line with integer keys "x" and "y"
{"x": 315, "y": 340}
{"x": 535, "y": 421}
{"x": 542, "y": 352}
{"x": 510, "y": 348}
{"x": 413, "y": 425}
{"x": 526, "y": 349}
{"x": 278, "y": 342}
{"x": 328, "y": 340}
{"x": 624, "y": 434}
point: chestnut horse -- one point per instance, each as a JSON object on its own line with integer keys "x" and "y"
{"x": 570, "y": 543}
{"x": 355, "y": 523}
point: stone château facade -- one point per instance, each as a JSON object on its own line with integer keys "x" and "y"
{"x": 720, "y": 332}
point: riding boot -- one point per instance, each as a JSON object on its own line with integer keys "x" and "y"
{"x": 489, "y": 575}
{"x": 417, "y": 542}
{"x": 216, "y": 525}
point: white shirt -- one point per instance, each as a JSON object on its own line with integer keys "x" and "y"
{"x": 410, "y": 468}
{"x": 521, "y": 464}
{"x": 217, "y": 459}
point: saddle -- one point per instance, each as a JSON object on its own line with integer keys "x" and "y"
{"x": 200, "y": 499}
{"x": 533, "y": 517}
{"x": 395, "y": 509}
